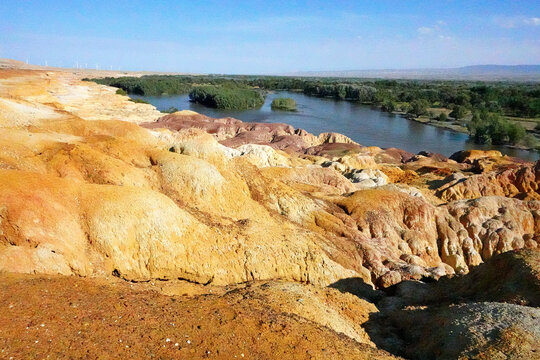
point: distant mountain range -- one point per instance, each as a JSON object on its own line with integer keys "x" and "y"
{"x": 474, "y": 72}
{"x": 521, "y": 73}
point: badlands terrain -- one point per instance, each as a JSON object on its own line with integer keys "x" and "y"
{"x": 128, "y": 233}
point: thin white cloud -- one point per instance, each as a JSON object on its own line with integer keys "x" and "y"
{"x": 534, "y": 21}
{"x": 424, "y": 30}
{"x": 514, "y": 22}
{"x": 506, "y": 23}
{"x": 435, "y": 31}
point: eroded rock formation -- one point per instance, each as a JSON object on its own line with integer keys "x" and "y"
{"x": 87, "y": 191}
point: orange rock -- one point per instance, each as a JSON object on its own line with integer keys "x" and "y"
{"x": 510, "y": 183}
{"x": 468, "y": 156}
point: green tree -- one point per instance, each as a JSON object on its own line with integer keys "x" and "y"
{"x": 405, "y": 107}
{"x": 442, "y": 117}
{"x": 388, "y": 106}
{"x": 419, "y": 107}
{"x": 492, "y": 128}
{"x": 459, "y": 112}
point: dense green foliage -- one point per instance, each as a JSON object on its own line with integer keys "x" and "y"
{"x": 351, "y": 92}
{"x": 121, "y": 92}
{"x": 230, "y": 98}
{"x": 149, "y": 85}
{"x": 388, "y": 106}
{"x": 283, "y": 104}
{"x": 459, "y": 112}
{"x": 442, "y": 117}
{"x": 511, "y": 99}
{"x": 419, "y": 107}
{"x": 491, "y": 128}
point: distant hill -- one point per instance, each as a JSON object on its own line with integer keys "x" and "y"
{"x": 474, "y": 72}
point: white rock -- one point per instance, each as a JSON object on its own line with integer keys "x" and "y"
{"x": 263, "y": 155}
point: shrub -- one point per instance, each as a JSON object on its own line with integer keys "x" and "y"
{"x": 229, "y": 98}
{"x": 405, "y": 107}
{"x": 388, "y": 106}
{"x": 491, "y": 128}
{"x": 139, "y": 101}
{"x": 170, "y": 110}
{"x": 530, "y": 141}
{"x": 442, "y": 117}
{"x": 283, "y": 104}
{"x": 419, "y": 107}
{"x": 363, "y": 93}
{"x": 459, "y": 112}
{"x": 121, "y": 92}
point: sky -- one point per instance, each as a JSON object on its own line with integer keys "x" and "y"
{"x": 270, "y": 37}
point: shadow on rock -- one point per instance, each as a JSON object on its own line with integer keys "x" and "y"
{"x": 471, "y": 330}
{"x": 490, "y": 313}
{"x": 358, "y": 287}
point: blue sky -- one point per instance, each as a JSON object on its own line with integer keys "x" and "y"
{"x": 270, "y": 36}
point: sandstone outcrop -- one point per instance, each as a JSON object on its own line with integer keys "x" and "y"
{"x": 184, "y": 186}
{"x": 472, "y": 331}
{"x": 260, "y": 219}
{"x": 448, "y": 319}
{"x": 95, "y": 197}
{"x": 520, "y": 182}
{"x": 234, "y": 133}
{"x": 490, "y": 313}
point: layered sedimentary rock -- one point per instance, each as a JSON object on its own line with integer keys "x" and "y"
{"x": 234, "y": 133}
{"x": 255, "y": 221}
{"x": 520, "y": 182}
{"x": 87, "y": 196}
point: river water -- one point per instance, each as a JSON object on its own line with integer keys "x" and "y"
{"x": 364, "y": 124}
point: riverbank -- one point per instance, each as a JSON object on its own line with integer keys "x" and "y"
{"x": 454, "y": 126}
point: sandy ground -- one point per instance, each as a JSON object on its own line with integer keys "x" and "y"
{"x": 68, "y": 317}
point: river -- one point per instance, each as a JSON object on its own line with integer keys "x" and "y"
{"x": 364, "y": 124}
